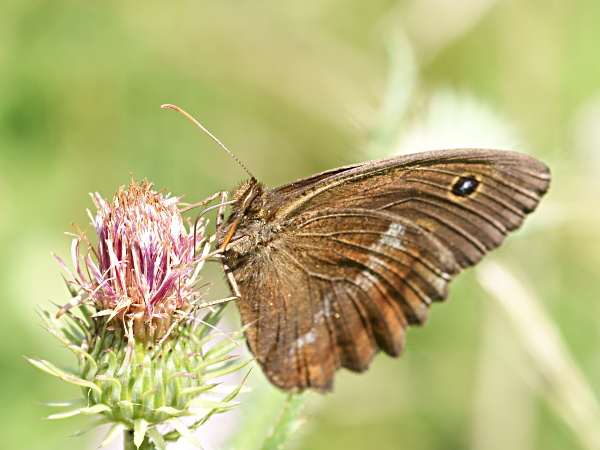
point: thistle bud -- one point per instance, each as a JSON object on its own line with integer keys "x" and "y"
{"x": 131, "y": 322}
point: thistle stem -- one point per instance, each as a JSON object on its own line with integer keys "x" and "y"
{"x": 129, "y": 445}
{"x": 128, "y": 440}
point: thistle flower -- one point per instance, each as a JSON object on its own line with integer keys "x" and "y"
{"x": 145, "y": 266}
{"x": 141, "y": 351}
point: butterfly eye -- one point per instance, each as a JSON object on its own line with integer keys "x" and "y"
{"x": 256, "y": 203}
{"x": 465, "y": 186}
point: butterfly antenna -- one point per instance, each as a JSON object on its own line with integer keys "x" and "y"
{"x": 199, "y": 125}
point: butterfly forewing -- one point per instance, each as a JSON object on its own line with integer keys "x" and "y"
{"x": 336, "y": 266}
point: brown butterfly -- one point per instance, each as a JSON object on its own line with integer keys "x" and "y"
{"x": 332, "y": 268}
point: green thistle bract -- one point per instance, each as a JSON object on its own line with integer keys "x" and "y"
{"x": 143, "y": 357}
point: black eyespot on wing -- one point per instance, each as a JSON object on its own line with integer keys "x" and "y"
{"x": 465, "y": 186}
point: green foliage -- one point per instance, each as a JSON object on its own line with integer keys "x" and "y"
{"x": 152, "y": 384}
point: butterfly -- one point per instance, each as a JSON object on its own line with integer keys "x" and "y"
{"x": 330, "y": 269}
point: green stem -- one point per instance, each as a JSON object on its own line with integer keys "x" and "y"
{"x": 129, "y": 445}
{"x": 287, "y": 423}
{"x": 128, "y": 440}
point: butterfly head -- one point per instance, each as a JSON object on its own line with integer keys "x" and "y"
{"x": 247, "y": 197}
{"x": 249, "y": 212}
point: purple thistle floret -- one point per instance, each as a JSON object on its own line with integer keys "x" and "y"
{"x": 143, "y": 274}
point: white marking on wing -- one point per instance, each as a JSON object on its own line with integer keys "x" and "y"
{"x": 391, "y": 238}
{"x": 302, "y": 340}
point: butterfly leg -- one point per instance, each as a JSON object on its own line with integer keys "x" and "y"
{"x": 221, "y": 205}
{"x": 221, "y": 211}
{"x": 206, "y": 200}
{"x": 219, "y": 222}
{"x": 232, "y": 282}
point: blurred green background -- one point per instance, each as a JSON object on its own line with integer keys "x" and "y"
{"x": 294, "y": 88}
